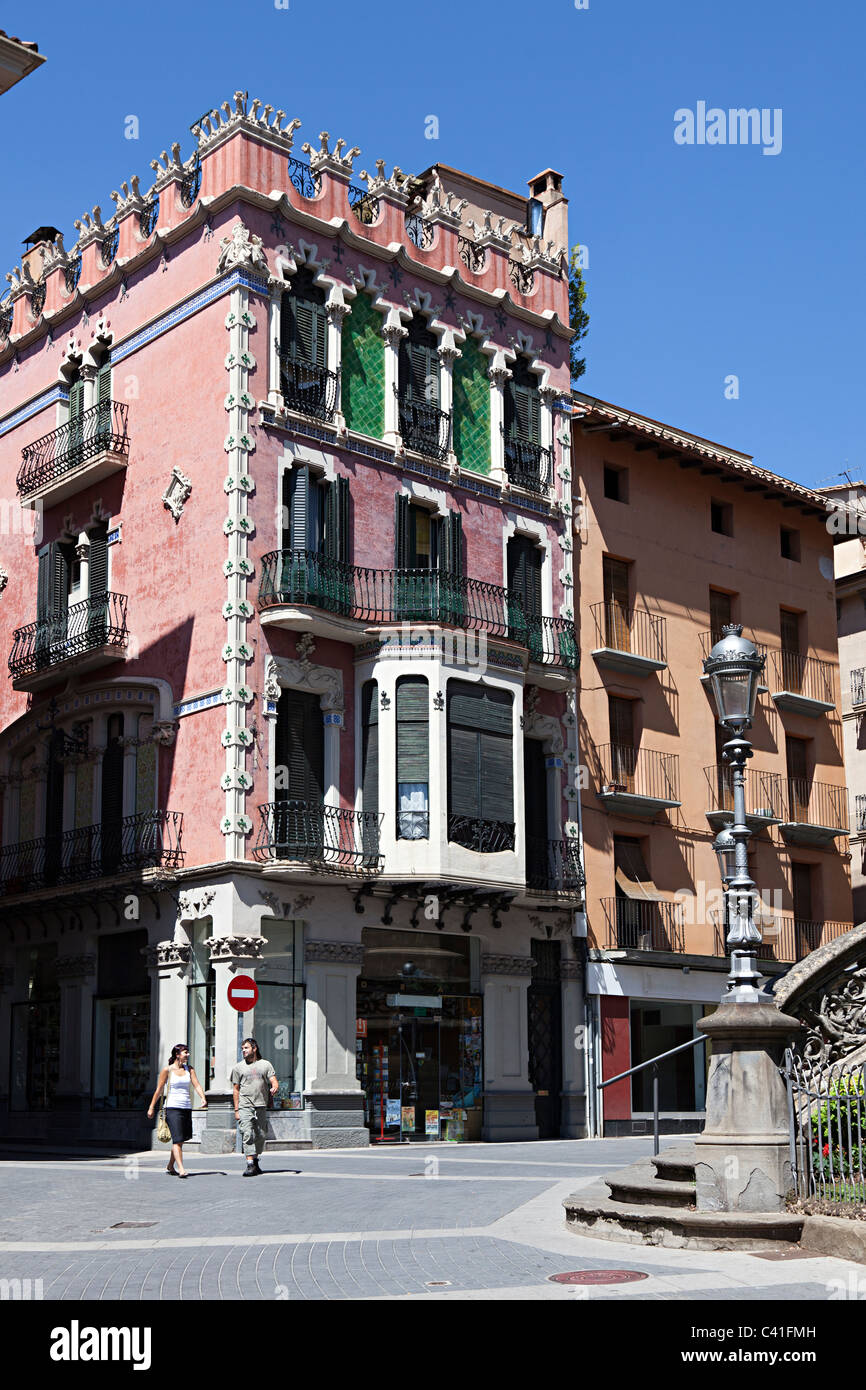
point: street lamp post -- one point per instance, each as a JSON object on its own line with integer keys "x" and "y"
{"x": 742, "y": 1157}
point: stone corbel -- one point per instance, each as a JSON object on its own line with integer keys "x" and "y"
{"x": 229, "y": 948}
{"x": 168, "y": 955}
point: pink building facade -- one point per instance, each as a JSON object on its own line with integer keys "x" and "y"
{"x": 287, "y": 597}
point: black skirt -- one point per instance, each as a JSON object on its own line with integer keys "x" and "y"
{"x": 179, "y": 1122}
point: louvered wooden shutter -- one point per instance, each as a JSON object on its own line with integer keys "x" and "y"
{"x": 497, "y": 778}
{"x": 98, "y": 569}
{"x": 401, "y": 531}
{"x": 299, "y": 507}
{"x": 76, "y": 399}
{"x": 524, "y": 574}
{"x": 286, "y": 520}
{"x": 789, "y": 627}
{"x": 370, "y": 745}
{"x": 451, "y": 545}
{"x": 43, "y": 583}
{"x": 463, "y": 767}
{"x": 413, "y": 700}
{"x": 621, "y": 721}
{"x": 720, "y": 612}
{"x": 103, "y": 383}
{"x": 527, "y": 413}
{"x": 300, "y": 747}
{"x": 801, "y": 891}
{"x": 59, "y": 600}
{"x": 337, "y": 520}
{"x": 795, "y": 753}
{"x": 481, "y": 778}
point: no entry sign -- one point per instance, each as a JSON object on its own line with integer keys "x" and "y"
{"x": 243, "y": 993}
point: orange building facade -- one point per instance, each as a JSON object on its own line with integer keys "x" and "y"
{"x": 674, "y": 537}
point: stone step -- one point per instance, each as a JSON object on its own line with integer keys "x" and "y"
{"x": 676, "y": 1164}
{"x": 592, "y": 1213}
{"x": 640, "y": 1185}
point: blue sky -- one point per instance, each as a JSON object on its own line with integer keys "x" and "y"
{"x": 705, "y": 261}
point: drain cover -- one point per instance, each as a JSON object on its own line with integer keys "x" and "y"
{"x": 598, "y": 1276}
{"x": 130, "y": 1225}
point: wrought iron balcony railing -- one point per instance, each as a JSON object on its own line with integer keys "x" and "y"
{"x": 190, "y": 184}
{"x": 860, "y": 814}
{"x": 788, "y": 938}
{"x": 301, "y": 177}
{"x": 639, "y": 772}
{"x": 806, "y": 676}
{"x": 419, "y": 231}
{"x": 307, "y": 388}
{"x": 142, "y": 841}
{"x": 816, "y": 803}
{"x": 327, "y": 837}
{"x": 363, "y": 204}
{"x": 424, "y": 427}
{"x": 414, "y": 595}
{"x": 858, "y": 688}
{"x": 72, "y": 275}
{"x": 97, "y": 622}
{"x": 473, "y": 256}
{"x": 148, "y": 217}
{"x": 522, "y": 276}
{"x": 637, "y": 925}
{"x": 553, "y": 866}
{"x": 483, "y": 836}
{"x": 109, "y": 246}
{"x": 527, "y": 464}
{"x": 100, "y": 429}
{"x": 632, "y": 630}
{"x": 764, "y": 796}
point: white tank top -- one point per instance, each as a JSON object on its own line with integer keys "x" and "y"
{"x": 178, "y": 1097}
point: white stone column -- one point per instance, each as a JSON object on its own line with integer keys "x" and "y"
{"x": 448, "y": 354}
{"x": 129, "y": 753}
{"x": 333, "y": 1098}
{"x": 509, "y": 1101}
{"x": 393, "y": 333}
{"x": 333, "y": 725}
{"x": 229, "y": 955}
{"x": 277, "y": 287}
{"x": 573, "y": 1110}
{"x": 88, "y": 377}
{"x": 499, "y": 375}
{"x": 76, "y": 978}
{"x": 336, "y": 312}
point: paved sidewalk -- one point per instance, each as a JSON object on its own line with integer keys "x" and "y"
{"x": 422, "y": 1222}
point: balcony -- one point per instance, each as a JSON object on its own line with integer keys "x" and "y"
{"x": 306, "y": 388}
{"x": 424, "y": 428}
{"x": 629, "y": 639}
{"x": 815, "y": 812}
{"x": 89, "y": 634}
{"x": 764, "y": 797}
{"x": 553, "y": 866}
{"x": 709, "y": 639}
{"x": 327, "y": 839}
{"x": 634, "y": 925}
{"x": 294, "y": 580}
{"x": 801, "y": 684}
{"x": 482, "y": 836}
{"x": 80, "y": 452}
{"x": 638, "y": 782}
{"x": 858, "y": 689}
{"x": 144, "y": 841}
{"x": 527, "y": 465}
{"x": 788, "y": 938}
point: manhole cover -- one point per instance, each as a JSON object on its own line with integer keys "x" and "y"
{"x": 598, "y": 1276}
{"x": 130, "y": 1225}
{"x": 438, "y": 1284}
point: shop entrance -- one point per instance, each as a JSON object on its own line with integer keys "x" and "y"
{"x": 419, "y": 1038}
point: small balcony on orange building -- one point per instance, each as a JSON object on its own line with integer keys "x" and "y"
{"x": 631, "y": 924}
{"x": 82, "y": 637}
{"x": 334, "y": 599}
{"x": 801, "y": 684}
{"x": 787, "y": 938}
{"x": 632, "y": 640}
{"x": 815, "y": 813}
{"x": 638, "y": 782}
{"x": 83, "y": 450}
{"x": 764, "y": 797}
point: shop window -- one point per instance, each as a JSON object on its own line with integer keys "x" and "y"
{"x": 35, "y": 1068}
{"x": 122, "y": 1077}
{"x": 413, "y": 758}
{"x": 278, "y": 1021}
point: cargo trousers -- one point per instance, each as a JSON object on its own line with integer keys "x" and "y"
{"x": 253, "y": 1121}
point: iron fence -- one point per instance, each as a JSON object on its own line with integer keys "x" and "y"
{"x": 633, "y": 630}
{"x": 141, "y": 841}
{"x": 109, "y": 246}
{"x": 307, "y": 388}
{"x": 327, "y": 837}
{"x": 101, "y": 428}
{"x": 72, "y": 275}
{"x": 817, "y": 803}
{"x": 553, "y": 866}
{"x": 827, "y": 1121}
{"x": 424, "y": 427}
{"x": 802, "y": 675}
{"x": 483, "y": 836}
{"x": 639, "y": 924}
{"x": 522, "y": 277}
{"x": 99, "y": 621}
{"x": 640, "y": 772}
{"x": 414, "y": 595}
{"x": 363, "y": 204}
{"x": 763, "y": 792}
{"x": 148, "y": 217}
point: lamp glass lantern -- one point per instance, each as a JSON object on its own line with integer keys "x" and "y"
{"x": 725, "y": 847}
{"x": 734, "y": 666}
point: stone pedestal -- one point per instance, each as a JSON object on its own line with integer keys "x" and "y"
{"x": 743, "y": 1156}
{"x": 333, "y": 1098}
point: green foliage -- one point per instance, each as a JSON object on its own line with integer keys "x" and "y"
{"x": 577, "y": 315}
{"x": 839, "y": 1136}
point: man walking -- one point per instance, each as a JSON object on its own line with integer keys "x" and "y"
{"x": 250, "y": 1080}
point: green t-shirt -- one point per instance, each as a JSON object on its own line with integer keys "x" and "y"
{"x": 252, "y": 1080}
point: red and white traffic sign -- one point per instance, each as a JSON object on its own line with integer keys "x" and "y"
{"x": 243, "y": 993}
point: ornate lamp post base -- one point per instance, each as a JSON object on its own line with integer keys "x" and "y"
{"x": 743, "y": 1156}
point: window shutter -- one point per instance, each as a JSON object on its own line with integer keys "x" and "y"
{"x": 98, "y": 567}
{"x": 481, "y": 780}
{"x": 412, "y": 729}
{"x": 463, "y": 772}
{"x": 720, "y": 611}
{"x": 401, "y": 531}
{"x": 103, "y": 383}
{"x": 43, "y": 583}
{"x": 497, "y": 778}
{"x": 370, "y": 745}
{"x": 451, "y": 548}
{"x": 479, "y": 707}
{"x": 286, "y": 527}
{"x": 337, "y": 519}
{"x": 287, "y": 322}
{"x": 299, "y": 507}
{"x": 300, "y": 747}
{"x": 76, "y": 399}
{"x": 59, "y": 600}
{"x": 524, "y": 574}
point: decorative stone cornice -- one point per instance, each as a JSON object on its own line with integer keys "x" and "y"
{"x": 303, "y": 675}
{"x": 507, "y": 965}
{"x": 223, "y": 948}
{"x": 252, "y": 116}
{"x": 75, "y": 967}
{"x": 342, "y": 952}
{"x": 334, "y": 161}
{"x": 493, "y": 231}
{"x": 164, "y": 954}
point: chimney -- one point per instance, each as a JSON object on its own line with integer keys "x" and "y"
{"x": 36, "y": 245}
{"x": 546, "y": 189}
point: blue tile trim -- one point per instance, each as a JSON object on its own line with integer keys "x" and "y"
{"x": 199, "y": 703}
{"x": 187, "y": 308}
{"x": 49, "y": 397}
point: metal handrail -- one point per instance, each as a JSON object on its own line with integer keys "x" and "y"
{"x": 654, "y": 1063}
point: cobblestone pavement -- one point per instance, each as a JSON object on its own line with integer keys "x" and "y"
{"x": 422, "y": 1222}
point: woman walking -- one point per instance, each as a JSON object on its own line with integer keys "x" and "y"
{"x": 178, "y": 1103}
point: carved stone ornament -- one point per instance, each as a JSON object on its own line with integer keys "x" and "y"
{"x": 195, "y": 903}
{"x": 164, "y": 732}
{"x": 236, "y": 947}
{"x": 342, "y": 952}
{"x": 835, "y": 1017}
{"x": 305, "y": 646}
{"x": 175, "y": 954}
{"x": 4, "y": 578}
{"x": 75, "y": 967}
{"x": 242, "y": 248}
{"x": 507, "y": 965}
{"x": 303, "y": 675}
{"x": 177, "y": 492}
